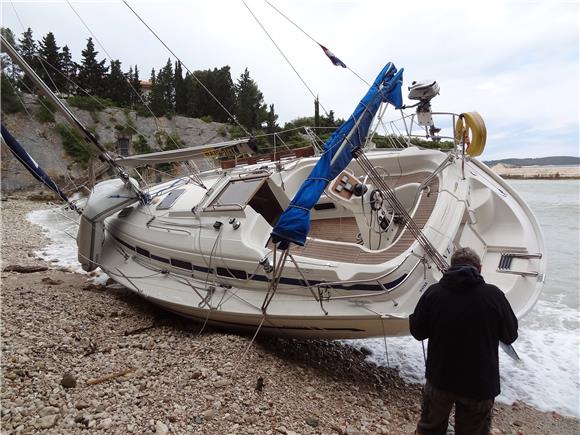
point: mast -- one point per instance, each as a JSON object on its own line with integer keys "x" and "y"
{"x": 71, "y": 118}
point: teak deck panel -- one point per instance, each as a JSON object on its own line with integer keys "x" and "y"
{"x": 341, "y": 230}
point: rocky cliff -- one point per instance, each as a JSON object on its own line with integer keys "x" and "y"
{"x": 113, "y": 127}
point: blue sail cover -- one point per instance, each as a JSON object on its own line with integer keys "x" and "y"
{"x": 294, "y": 224}
{"x": 23, "y": 157}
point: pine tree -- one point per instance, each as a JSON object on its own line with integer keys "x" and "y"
{"x": 162, "y": 98}
{"x": 271, "y": 124}
{"x": 180, "y": 91}
{"x": 27, "y": 49}
{"x": 316, "y": 112}
{"x": 136, "y": 90}
{"x": 50, "y": 65}
{"x": 92, "y": 73}
{"x": 222, "y": 86}
{"x": 69, "y": 69}
{"x": 118, "y": 88}
{"x": 250, "y": 107}
{"x": 156, "y": 96}
{"x": 165, "y": 80}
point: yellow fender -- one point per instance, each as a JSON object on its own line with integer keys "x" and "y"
{"x": 471, "y": 129}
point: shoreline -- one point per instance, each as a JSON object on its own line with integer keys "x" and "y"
{"x": 537, "y": 172}
{"x": 177, "y": 378}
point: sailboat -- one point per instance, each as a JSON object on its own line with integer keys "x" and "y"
{"x": 336, "y": 245}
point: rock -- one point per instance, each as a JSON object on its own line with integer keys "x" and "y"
{"x": 199, "y": 419}
{"x": 106, "y": 423}
{"x": 209, "y": 414}
{"x": 196, "y": 375}
{"x": 68, "y": 381}
{"x": 259, "y": 384}
{"x": 161, "y": 428}
{"x": 312, "y": 421}
{"x": 351, "y": 431}
{"x": 222, "y": 383}
{"x": 281, "y": 429}
{"x": 366, "y": 351}
{"x": 82, "y": 419}
{"x": 47, "y": 421}
{"x": 48, "y": 410}
{"x": 81, "y": 405}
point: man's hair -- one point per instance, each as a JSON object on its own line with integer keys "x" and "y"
{"x": 465, "y": 256}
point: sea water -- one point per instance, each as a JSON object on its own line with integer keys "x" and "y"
{"x": 548, "y": 375}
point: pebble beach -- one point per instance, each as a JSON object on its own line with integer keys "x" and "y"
{"x": 79, "y": 357}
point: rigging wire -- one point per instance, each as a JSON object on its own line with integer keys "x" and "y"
{"x": 140, "y": 96}
{"x": 188, "y": 70}
{"x": 311, "y": 38}
{"x": 284, "y": 56}
{"x": 110, "y": 59}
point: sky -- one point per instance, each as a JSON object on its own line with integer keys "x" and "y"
{"x": 515, "y": 62}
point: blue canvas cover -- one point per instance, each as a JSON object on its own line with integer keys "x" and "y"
{"x": 294, "y": 223}
{"x": 23, "y": 157}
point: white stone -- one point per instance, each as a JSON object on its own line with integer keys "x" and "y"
{"x": 161, "y": 428}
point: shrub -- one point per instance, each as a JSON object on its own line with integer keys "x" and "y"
{"x": 207, "y": 119}
{"x": 222, "y": 131}
{"x": 90, "y": 103}
{"x": 43, "y": 114}
{"x": 172, "y": 142}
{"x": 74, "y": 145}
{"x": 142, "y": 111}
{"x": 8, "y": 99}
{"x": 140, "y": 145}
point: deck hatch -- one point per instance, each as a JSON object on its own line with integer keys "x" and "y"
{"x": 170, "y": 199}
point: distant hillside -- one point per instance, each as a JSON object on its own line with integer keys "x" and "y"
{"x": 540, "y": 161}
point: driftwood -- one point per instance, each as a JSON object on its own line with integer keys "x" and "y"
{"x": 24, "y": 269}
{"x": 110, "y": 376}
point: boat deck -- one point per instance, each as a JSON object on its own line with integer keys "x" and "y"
{"x": 324, "y": 232}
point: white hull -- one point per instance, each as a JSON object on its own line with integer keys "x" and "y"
{"x": 178, "y": 260}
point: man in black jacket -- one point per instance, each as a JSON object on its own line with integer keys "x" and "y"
{"x": 464, "y": 319}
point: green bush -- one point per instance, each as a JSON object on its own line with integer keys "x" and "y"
{"x": 172, "y": 142}
{"x": 236, "y": 132}
{"x": 45, "y": 111}
{"x": 222, "y": 131}
{"x": 8, "y": 99}
{"x": 91, "y": 103}
{"x": 142, "y": 111}
{"x": 74, "y": 145}
{"x": 207, "y": 119}
{"x": 140, "y": 145}
{"x": 44, "y": 114}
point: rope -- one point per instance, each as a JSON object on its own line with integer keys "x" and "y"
{"x": 283, "y": 55}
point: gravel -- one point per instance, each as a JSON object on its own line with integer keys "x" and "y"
{"x": 59, "y": 332}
